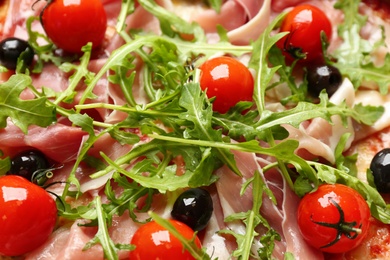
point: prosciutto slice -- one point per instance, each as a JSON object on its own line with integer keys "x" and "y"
{"x": 60, "y": 137}
{"x": 282, "y": 217}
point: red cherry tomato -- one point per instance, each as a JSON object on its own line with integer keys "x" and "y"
{"x": 334, "y": 218}
{"x": 71, "y": 24}
{"x": 28, "y": 215}
{"x": 228, "y": 80}
{"x": 152, "y": 241}
{"x": 304, "y": 24}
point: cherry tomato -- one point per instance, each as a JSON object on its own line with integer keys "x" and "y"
{"x": 228, "y": 80}
{"x": 304, "y": 24}
{"x": 334, "y": 218}
{"x": 71, "y": 24}
{"x": 152, "y": 241}
{"x": 28, "y": 215}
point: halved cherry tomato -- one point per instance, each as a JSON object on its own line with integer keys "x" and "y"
{"x": 72, "y": 24}
{"x": 334, "y": 218}
{"x": 304, "y": 24}
{"x": 228, "y": 80}
{"x": 152, "y": 241}
{"x": 28, "y": 215}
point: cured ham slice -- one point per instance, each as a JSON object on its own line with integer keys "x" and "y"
{"x": 319, "y": 137}
{"x": 281, "y": 217}
{"x": 60, "y": 137}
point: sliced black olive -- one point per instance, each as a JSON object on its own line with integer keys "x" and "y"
{"x": 380, "y": 168}
{"x": 321, "y": 77}
{"x": 11, "y": 49}
{"x": 194, "y": 208}
{"x": 27, "y": 163}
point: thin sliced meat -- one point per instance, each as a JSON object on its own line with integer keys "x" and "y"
{"x": 281, "y": 217}
{"x": 252, "y": 29}
{"x": 279, "y": 5}
{"x": 59, "y": 142}
{"x": 320, "y": 138}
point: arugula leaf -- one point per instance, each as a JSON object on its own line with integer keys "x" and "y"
{"x": 23, "y": 112}
{"x": 259, "y": 62}
{"x": 43, "y": 47}
{"x": 81, "y": 71}
{"x": 202, "y": 174}
{"x": 5, "y": 165}
{"x": 200, "y": 114}
{"x": 305, "y": 111}
{"x": 123, "y": 137}
{"x": 168, "y": 180}
{"x": 286, "y": 73}
{"x": 171, "y": 24}
{"x": 84, "y": 121}
{"x": 124, "y": 80}
{"x": 345, "y": 163}
{"x": 252, "y": 219}
{"x": 354, "y": 56}
{"x": 102, "y": 236}
{"x": 239, "y": 122}
{"x": 127, "y": 200}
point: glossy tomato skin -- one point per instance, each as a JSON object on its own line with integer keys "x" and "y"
{"x": 319, "y": 209}
{"x": 28, "y": 215}
{"x": 228, "y": 80}
{"x": 152, "y": 242}
{"x": 304, "y": 24}
{"x": 72, "y": 24}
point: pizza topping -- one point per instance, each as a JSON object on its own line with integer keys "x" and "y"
{"x": 305, "y": 24}
{"x": 13, "y": 50}
{"x": 153, "y": 241}
{"x": 28, "y": 215}
{"x": 334, "y": 218}
{"x": 29, "y": 164}
{"x": 379, "y": 167}
{"x": 68, "y": 23}
{"x": 194, "y": 208}
{"x": 228, "y": 81}
{"x": 323, "y": 77}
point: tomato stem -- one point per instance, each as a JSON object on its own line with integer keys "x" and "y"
{"x": 295, "y": 52}
{"x": 342, "y": 227}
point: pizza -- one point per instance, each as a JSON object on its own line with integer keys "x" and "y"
{"x": 237, "y": 129}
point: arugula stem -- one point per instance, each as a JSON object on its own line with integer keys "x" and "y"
{"x": 72, "y": 175}
{"x": 126, "y": 9}
{"x": 110, "y": 251}
{"x": 81, "y": 71}
{"x": 219, "y": 145}
{"x": 127, "y": 109}
{"x": 257, "y": 194}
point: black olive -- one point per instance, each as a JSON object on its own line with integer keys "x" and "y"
{"x": 194, "y": 208}
{"x": 380, "y": 168}
{"x": 27, "y": 163}
{"x": 11, "y": 49}
{"x": 321, "y": 77}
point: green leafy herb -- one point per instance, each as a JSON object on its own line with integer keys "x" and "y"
{"x": 354, "y": 56}
{"x": 23, "y": 112}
